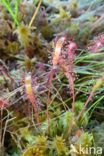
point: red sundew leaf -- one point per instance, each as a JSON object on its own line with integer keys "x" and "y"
{"x": 56, "y": 58}
{"x": 3, "y": 103}
{"x": 71, "y": 51}
{"x": 69, "y": 76}
{"x": 57, "y": 52}
{"x": 30, "y": 95}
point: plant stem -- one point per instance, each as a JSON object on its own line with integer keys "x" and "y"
{"x": 35, "y": 13}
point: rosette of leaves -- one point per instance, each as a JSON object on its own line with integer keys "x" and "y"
{"x": 39, "y": 148}
{"x": 24, "y": 35}
{"x": 84, "y": 142}
{"x": 60, "y": 146}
